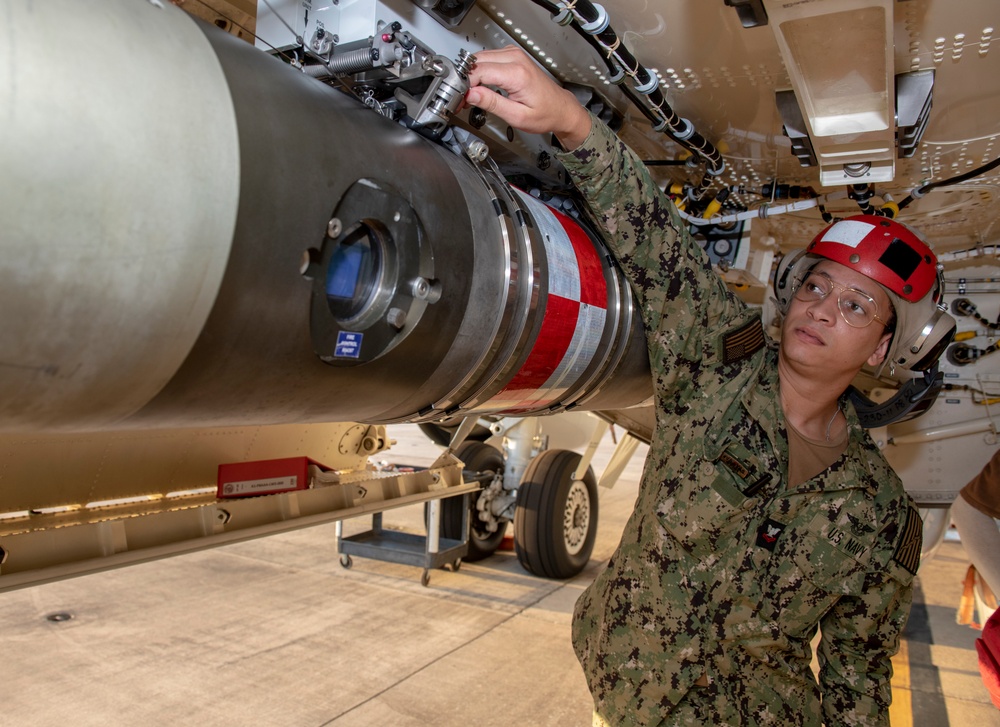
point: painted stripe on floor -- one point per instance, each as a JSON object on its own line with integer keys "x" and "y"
{"x": 901, "y": 709}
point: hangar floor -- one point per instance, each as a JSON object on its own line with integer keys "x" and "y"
{"x": 275, "y": 632}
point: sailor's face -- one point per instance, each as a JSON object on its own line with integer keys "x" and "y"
{"x": 816, "y": 332}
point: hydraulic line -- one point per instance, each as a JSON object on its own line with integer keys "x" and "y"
{"x": 784, "y": 191}
{"x": 965, "y": 307}
{"x": 716, "y": 204}
{"x": 918, "y": 192}
{"x": 862, "y": 195}
{"x": 963, "y": 354}
{"x": 762, "y": 212}
{"x": 591, "y": 20}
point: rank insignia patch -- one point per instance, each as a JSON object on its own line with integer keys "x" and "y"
{"x": 767, "y": 536}
{"x": 908, "y": 550}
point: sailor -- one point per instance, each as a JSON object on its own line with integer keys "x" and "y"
{"x": 976, "y": 512}
{"x": 765, "y": 510}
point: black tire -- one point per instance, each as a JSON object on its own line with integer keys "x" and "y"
{"x": 555, "y": 523}
{"x": 478, "y": 457}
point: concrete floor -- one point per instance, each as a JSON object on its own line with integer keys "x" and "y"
{"x": 276, "y": 632}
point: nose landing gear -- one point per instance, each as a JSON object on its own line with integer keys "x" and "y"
{"x": 555, "y": 523}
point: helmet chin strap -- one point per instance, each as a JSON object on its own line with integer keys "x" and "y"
{"x": 911, "y": 400}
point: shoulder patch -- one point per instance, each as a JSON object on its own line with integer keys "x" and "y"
{"x": 743, "y": 342}
{"x": 908, "y": 548}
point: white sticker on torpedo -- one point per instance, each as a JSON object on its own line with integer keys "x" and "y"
{"x": 348, "y": 344}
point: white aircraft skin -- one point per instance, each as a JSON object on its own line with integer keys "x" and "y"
{"x": 111, "y": 356}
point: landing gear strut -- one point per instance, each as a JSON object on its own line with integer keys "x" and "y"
{"x": 483, "y": 458}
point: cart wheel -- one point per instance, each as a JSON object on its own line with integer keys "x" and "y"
{"x": 555, "y": 522}
{"x": 345, "y": 561}
{"x": 456, "y": 565}
{"x": 425, "y": 577}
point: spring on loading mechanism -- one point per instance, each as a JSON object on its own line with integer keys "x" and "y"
{"x": 465, "y": 63}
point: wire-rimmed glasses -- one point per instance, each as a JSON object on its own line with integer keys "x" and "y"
{"x": 858, "y": 309}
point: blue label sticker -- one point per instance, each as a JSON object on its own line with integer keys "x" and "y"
{"x": 348, "y": 344}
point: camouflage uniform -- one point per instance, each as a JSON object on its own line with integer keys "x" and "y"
{"x": 723, "y": 569}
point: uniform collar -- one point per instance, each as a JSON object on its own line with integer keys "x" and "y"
{"x": 761, "y": 399}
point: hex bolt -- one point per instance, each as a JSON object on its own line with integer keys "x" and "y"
{"x": 396, "y": 318}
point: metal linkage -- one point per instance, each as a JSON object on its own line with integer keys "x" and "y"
{"x": 432, "y": 112}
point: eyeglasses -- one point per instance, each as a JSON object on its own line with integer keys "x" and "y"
{"x": 856, "y": 308}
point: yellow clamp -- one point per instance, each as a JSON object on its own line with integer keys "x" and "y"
{"x": 890, "y": 210}
{"x": 713, "y": 207}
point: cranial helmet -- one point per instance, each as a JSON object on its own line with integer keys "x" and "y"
{"x": 897, "y": 259}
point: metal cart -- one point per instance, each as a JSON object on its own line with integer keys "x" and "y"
{"x": 430, "y": 551}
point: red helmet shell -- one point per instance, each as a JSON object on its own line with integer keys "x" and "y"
{"x": 882, "y": 249}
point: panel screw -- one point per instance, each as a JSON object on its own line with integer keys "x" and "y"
{"x": 421, "y": 288}
{"x": 334, "y": 227}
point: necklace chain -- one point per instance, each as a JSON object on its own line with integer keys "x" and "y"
{"x": 832, "y": 420}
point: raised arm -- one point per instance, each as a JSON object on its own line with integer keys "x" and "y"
{"x": 534, "y": 102}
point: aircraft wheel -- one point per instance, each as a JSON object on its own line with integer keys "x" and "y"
{"x": 478, "y": 457}
{"x": 555, "y": 522}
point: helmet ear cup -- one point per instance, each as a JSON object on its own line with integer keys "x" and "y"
{"x": 931, "y": 343}
{"x": 791, "y": 267}
{"x": 923, "y": 331}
